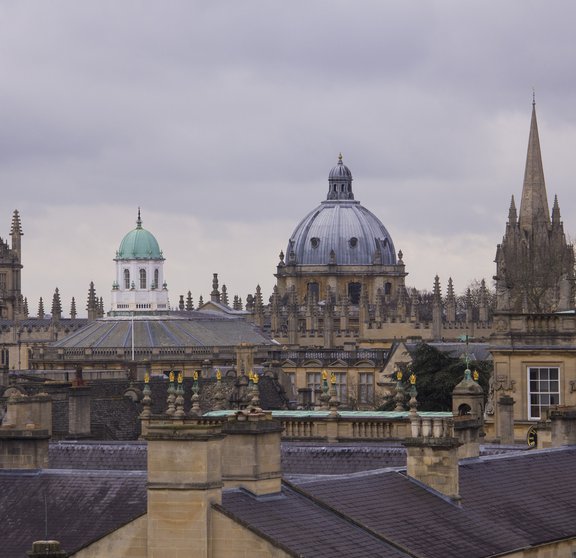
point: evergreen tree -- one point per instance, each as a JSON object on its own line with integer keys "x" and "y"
{"x": 437, "y": 373}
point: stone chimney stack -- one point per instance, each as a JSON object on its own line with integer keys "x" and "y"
{"x": 46, "y": 549}
{"x": 184, "y": 480}
{"x": 79, "y": 409}
{"x": 251, "y": 452}
{"x": 505, "y": 419}
{"x": 433, "y": 454}
{"x": 563, "y": 426}
{"x": 25, "y": 432}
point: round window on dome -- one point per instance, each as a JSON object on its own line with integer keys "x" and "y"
{"x": 315, "y": 242}
{"x": 353, "y": 242}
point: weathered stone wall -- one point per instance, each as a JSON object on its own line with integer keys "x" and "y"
{"x": 130, "y": 541}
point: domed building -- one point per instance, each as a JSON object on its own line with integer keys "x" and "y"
{"x": 340, "y": 250}
{"x": 139, "y": 286}
{"x": 341, "y": 279}
{"x": 141, "y": 333}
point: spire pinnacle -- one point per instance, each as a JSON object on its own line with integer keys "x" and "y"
{"x": 556, "y": 211}
{"x": 512, "y": 215}
{"x": 534, "y": 204}
{"x": 139, "y": 220}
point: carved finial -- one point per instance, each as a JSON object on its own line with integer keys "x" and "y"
{"x": 195, "y": 410}
{"x": 139, "y": 220}
{"x": 399, "y": 397}
{"x": 171, "y": 399}
{"x": 179, "y": 402}
{"x": 340, "y": 159}
{"x": 146, "y": 400}
{"x": 533, "y": 96}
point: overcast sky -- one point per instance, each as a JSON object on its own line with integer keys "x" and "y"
{"x": 221, "y": 120}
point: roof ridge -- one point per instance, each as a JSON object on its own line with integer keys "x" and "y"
{"x": 320, "y": 503}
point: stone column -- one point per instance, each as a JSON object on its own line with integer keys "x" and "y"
{"x": 505, "y": 420}
{"x": 184, "y": 480}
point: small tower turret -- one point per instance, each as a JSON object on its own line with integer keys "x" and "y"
{"x": 56, "y": 306}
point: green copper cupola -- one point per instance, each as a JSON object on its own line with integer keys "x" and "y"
{"x": 139, "y": 244}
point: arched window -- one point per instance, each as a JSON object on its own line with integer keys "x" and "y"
{"x": 314, "y": 290}
{"x": 387, "y": 288}
{"x": 156, "y": 278}
{"x": 142, "y": 278}
{"x": 464, "y": 409}
{"x": 126, "y": 278}
{"x": 354, "y": 290}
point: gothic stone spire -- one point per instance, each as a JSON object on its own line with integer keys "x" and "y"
{"x": 534, "y": 204}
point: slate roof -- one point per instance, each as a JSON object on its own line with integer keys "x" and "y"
{"x": 508, "y": 502}
{"x": 295, "y": 523}
{"x": 78, "y": 507}
{"x": 533, "y": 493}
{"x": 100, "y": 456}
{"x": 338, "y": 460}
{"x": 182, "y": 329}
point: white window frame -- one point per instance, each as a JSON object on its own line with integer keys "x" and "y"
{"x": 314, "y": 384}
{"x": 543, "y": 383}
{"x": 366, "y": 388}
{"x": 341, "y": 386}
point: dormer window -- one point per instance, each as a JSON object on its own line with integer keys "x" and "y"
{"x": 315, "y": 242}
{"x": 353, "y": 242}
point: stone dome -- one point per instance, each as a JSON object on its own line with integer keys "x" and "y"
{"x": 139, "y": 244}
{"x": 340, "y": 230}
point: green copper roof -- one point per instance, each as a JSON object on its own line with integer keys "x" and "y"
{"x": 139, "y": 244}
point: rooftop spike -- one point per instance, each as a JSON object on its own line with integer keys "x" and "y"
{"x": 139, "y": 220}
{"x": 16, "y": 224}
{"x": 512, "y": 215}
{"x": 556, "y": 211}
{"x": 534, "y": 204}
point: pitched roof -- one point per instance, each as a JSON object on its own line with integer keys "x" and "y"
{"x": 190, "y": 329}
{"x": 73, "y": 507}
{"x": 297, "y": 524}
